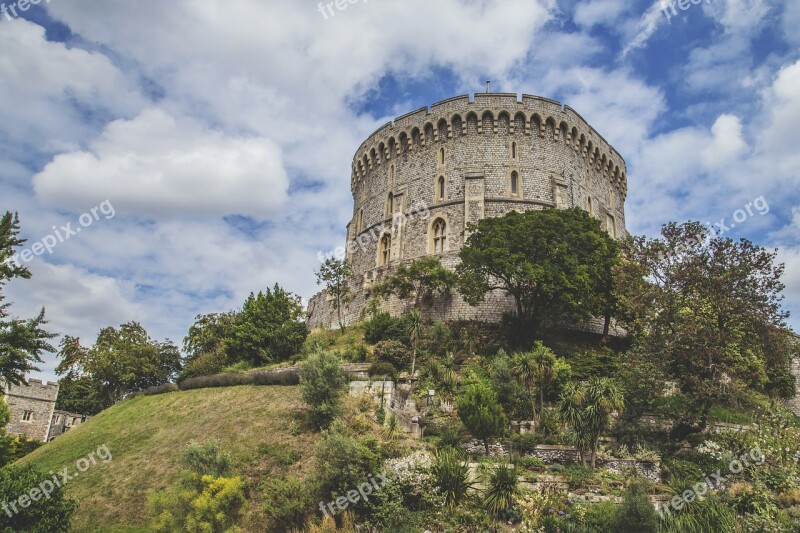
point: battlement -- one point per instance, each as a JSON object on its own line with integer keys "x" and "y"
{"x": 485, "y": 113}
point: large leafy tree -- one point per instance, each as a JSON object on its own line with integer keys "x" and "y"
{"x": 22, "y": 342}
{"x": 588, "y": 409}
{"x": 423, "y": 280}
{"x": 269, "y": 329}
{"x": 707, "y": 311}
{"x": 122, "y": 361}
{"x": 335, "y": 275}
{"x": 205, "y": 344}
{"x": 555, "y": 264}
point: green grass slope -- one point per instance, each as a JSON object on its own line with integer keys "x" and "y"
{"x": 146, "y": 436}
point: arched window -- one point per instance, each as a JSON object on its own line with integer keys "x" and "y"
{"x": 360, "y": 223}
{"x": 513, "y": 150}
{"x": 441, "y": 156}
{"x": 439, "y": 229}
{"x": 514, "y": 184}
{"x": 440, "y": 189}
{"x": 589, "y": 205}
{"x": 386, "y": 250}
{"x": 390, "y": 205}
{"x": 391, "y": 177}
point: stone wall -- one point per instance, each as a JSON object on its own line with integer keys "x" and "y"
{"x": 475, "y": 146}
{"x": 63, "y": 421}
{"x": 31, "y": 408}
{"x": 794, "y": 403}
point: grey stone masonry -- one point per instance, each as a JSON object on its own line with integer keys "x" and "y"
{"x": 420, "y": 180}
{"x": 794, "y": 403}
{"x": 31, "y": 408}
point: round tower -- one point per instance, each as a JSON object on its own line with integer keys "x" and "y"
{"x": 419, "y": 180}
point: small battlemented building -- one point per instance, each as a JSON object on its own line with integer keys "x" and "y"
{"x": 31, "y": 407}
{"x": 63, "y": 421}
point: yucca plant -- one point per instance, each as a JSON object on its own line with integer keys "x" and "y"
{"x": 452, "y": 476}
{"x": 503, "y": 489}
{"x": 391, "y": 431}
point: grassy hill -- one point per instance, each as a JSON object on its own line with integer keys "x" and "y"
{"x": 146, "y": 436}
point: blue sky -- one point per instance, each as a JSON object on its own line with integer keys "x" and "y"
{"x": 222, "y": 133}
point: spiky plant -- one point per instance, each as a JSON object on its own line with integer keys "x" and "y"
{"x": 502, "y": 490}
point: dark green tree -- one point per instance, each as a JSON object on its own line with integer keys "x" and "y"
{"x": 707, "y": 310}
{"x": 481, "y": 413}
{"x": 80, "y": 395}
{"x": 48, "y": 515}
{"x": 555, "y": 264}
{"x": 636, "y": 514}
{"x": 335, "y": 274}
{"x": 22, "y": 342}
{"x": 205, "y": 344}
{"x": 269, "y": 329}
{"x": 322, "y": 383}
{"x": 423, "y": 280}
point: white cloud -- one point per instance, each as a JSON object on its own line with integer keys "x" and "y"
{"x": 728, "y": 142}
{"x": 158, "y": 164}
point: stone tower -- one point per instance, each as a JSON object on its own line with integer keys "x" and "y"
{"x": 31, "y": 408}
{"x": 419, "y": 180}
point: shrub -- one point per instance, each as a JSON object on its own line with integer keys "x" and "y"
{"x": 384, "y": 327}
{"x": 394, "y": 352}
{"x": 502, "y": 490}
{"x": 48, "y": 515}
{"x": 205, "y": 364}
{"x": 452, "y": 476}
{"x": 636, "y": 514}
{"x": 525, "y": 443}
{"x": 213, "y": 506}
{"x": 600, "y": 517}
{"x": 220, "y": 380}
{"x": 322, "y": 382}
{"x": 160, "y": 389}
{"x": 381, "y": 369}
{"x": 286, "y": 503}
{"x": 22, "y": 445}
{"x": 207, "y": 459}
{"x": 287, "y": 377}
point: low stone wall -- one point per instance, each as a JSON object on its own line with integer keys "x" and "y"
{"x": 794, "y": 403}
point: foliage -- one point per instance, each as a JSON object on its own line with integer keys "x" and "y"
{"x": 122, "y": 361}
{"x": 380, "y": 369}
{"x": 502, "y": 490}
{"x": 393, "y": 352}
{"x": 423, "y": 279}
{"x": 480, "y": 412}
{"x": 335, "y": 274}
{"x": 587, "y": 408}
{"x": 22, "y": 445}
{"x": 269, "y": 329}
{"x": 22, "y": 342}
{"x": 452, "y": 476}
{"x": 510, "y": 393}
{"x": 538, "y": 369}
{"x": 48, "y": 515}
{"x": 384, "y": 327}
{"x": 711, "y": 514}
{"x": 207, "y": 459}
{"x": 80, "y": 394}
{"x": 322, "y": 382}
{"x": 636, "y": 514}
{"x": 342, "y": 463}
{"x": 708, "y": 311}
{"x": 414, "y": 335}
{"x": 286, "y": 503}
{"x": 205, "y": 345}
{"x": 214, "y": 507}
{"x": 555, "y": 263}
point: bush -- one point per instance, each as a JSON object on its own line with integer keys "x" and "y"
{"x": 160, "y": 389}
{"x": 381, "y": 369}
{"x": 636, "y": 514}
{"x": 322, "y": 382}
{"x": 207, "y": 459}
{"x": 213, "y": 506}
{"x": 452, "y": 476}
{"x": 286, "y": 503}
{"x": 384, "y": 327}
{"x": 48, "y": 515}
{"x": 600, "y": 517}
{"x": 205, "y": 364}
{"x": 220, "y": 380}
{"x": 286, "y": 377}
{"x": 502, "y": 490}
{"x": 393, "y": 352}
{"x": 525, "y": 443}
{"x": 22, "y": 445}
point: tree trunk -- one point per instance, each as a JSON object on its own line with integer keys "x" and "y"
{"x": 414, "y": 360}
{"x": 541, "y": 401}
{"x": 594, "y": 456}
{"x": 486, "y": 446}
{"x": 339, "y": 315}
{"x": 606, "y": 326}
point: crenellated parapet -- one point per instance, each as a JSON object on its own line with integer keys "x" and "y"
{"x": 489, "y": 114}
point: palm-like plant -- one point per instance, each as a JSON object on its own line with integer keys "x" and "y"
{"x": 414, "y": 334}
{"x": 452, "y": 476}
{"x": 587, "y": 408}
{"x": 524, "y": 367}
{"x": 391, "y": 430}
{"x": 503, "y": 489}
{"x": 545, "y": 362}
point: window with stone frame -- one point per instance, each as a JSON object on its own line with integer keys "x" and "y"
{"x": 385, "y": 250}
{"x": 439, "y": 235}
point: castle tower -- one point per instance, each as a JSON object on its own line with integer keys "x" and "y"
{"x": 417, "y": 182}
{"x": 31, "y": 408}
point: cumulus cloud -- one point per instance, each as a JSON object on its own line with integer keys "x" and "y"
{"x": 158, "y": 164}
{"x": 728, "y": 142}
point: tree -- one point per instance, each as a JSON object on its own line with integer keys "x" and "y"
{"x": 588, "y": 408}
{"x": 423, "y": 279}
{"x": 335, "y": 274}
{"x": 122, "y": 361}
{"x": 414, "y": 335}
{"x": 636, "y": 514}
{"x": 523, "y": 366}
{"x": 269, "y": 329}
{"x": 205, "y": 344}
{"x": 22, "y": 342}
{"x": 555, "y": 264}
{"x": 481, "y": 413}
{"x": 322, "y": 382}
{"x": 706, "y": 310}
{"x": 547, "y": 368}
{"x": 52, "y": 514}
{"x": 80, "y": 395}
